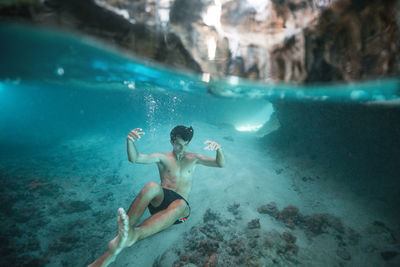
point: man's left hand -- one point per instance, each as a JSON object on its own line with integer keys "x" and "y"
{"x": 211, "y": 145}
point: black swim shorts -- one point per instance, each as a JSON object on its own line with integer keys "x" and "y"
{"x": 169, "y": 197}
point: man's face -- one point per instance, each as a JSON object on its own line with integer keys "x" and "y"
{"x": 179, "y": 145}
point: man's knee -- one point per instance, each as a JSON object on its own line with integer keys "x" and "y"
{"x": 151, "y": 189}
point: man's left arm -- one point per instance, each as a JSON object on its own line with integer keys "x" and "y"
{"x": 219, "y": 160}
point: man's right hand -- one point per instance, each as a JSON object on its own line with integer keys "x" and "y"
{"x": 135, "y": 134}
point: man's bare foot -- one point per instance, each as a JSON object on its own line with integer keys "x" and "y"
{"x": 118, "y": 243}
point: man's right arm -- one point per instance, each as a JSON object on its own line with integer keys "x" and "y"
{"x": 133, "y": 155}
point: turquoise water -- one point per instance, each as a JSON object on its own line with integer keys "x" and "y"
{"x": 68, "y": 102}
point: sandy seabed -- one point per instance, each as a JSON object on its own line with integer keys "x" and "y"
{"x": 268, "y": 207}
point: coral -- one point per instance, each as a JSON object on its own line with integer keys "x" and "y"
{"x": 253, "y": 242}
{"x": 229, "y": 245}
{"x": 184, "y": 257}
{"x": 212, "y": 261}
{"x": 208, "y": 247}
{"x": 210, "y": 216}
{"x": 237, "y": 246}
{"x": 254, "y": 224}
{"x": 291, "y": 249}
{"x": 316, "y": 224}
{"x": 212, "y": 232}
{"x": 234, "y": 208}
{"x": 204, "y": 255}
{"x": 319, "y": 223}
{"x": 291, "y": 216}
{"x": 288, "y": 237}
{"x": 270, "y": 209}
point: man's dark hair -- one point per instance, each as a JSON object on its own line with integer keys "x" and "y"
{"x": 183, "y": 132}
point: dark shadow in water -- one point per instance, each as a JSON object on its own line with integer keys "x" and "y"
{"x": 361, "y": 142}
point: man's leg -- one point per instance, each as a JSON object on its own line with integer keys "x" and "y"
{"x": 151, "y": 193}
{"x": 159, "y": 221}
{"x": 154, "y": 224}
{"x": 151, "y": 226}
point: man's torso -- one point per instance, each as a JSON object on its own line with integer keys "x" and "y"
{"x": 177, "y": 175}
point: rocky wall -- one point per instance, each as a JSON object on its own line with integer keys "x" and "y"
{"x": 353, "y": 40}
{"x": 89, "y": 18}
{"x": 286, "y": 40}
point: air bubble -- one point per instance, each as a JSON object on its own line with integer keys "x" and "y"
{"x": 60, "y": 71}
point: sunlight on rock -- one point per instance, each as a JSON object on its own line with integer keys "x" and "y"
{"x": 212, "y": 47}
{"x": 121, "y": 12}
{"x": 205, "y": 77}
{"x": 163, "y": 11}
{"x": 213, "y": 15}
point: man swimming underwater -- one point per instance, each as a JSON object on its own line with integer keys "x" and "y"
{"x": 167, "y": 202}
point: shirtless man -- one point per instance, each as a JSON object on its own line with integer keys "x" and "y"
{"x": 166, "y": 202}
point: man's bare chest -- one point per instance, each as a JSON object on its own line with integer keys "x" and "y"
{"x": 182, "y": 168}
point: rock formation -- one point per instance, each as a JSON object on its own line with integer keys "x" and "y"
{"x": 278, "y": 40}
{"x": 353, "y": 40}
